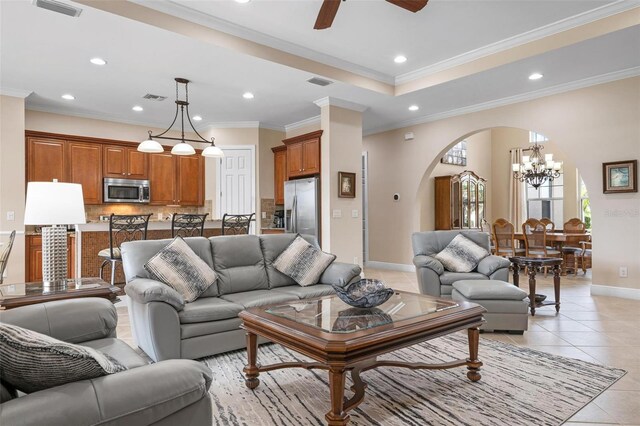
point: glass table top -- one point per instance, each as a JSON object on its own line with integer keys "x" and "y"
{"x": 38, "y": 288}
{"x": 333, "y": 315}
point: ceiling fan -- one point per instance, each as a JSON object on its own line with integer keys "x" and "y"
{"x": 329, "y": 9}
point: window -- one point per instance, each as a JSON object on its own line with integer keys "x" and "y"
{"x": 547, "y": 200}
{"x": 537, "y": 137}
{"x": 456, "y": 155}
{"x": 585, "y": 205}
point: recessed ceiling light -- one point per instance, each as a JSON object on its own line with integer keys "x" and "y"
{"x": 98, "y": 61}
{"x": 68, "y": 97}
{"x": 197, "y": 118}
{"x": 414, "y": 108}
{"x": 535, "y": 76}
{"x": 400, "y": 59}
{"x": 247, "y": 95}
{"x": 137, "y": 108}
{"x": 243, "y": 1}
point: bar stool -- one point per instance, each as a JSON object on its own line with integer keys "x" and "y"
{"x": 236, "y": 224}
{"x": 122, "y": 228}
{"x": 188, "y": 225}
{"x": 4, "y": 256}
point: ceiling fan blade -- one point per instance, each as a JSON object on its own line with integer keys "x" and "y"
{"x": 327, "y": 13}
{"x": 410, "y": 5}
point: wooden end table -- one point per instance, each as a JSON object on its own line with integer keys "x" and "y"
{"x": 534, "y": 265}
{"x": 22, "y": 294}
{"x": 344, "y": 340}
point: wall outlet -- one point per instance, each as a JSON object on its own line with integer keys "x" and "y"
{"x": 264, "y": 215}
{"x": 11, "y": 215}
{"x": 354, "y": 213}
{"x": 622, "y": 272}
{"x": 337, "y": 213}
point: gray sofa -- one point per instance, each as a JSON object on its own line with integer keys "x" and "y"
{"x": 167, "y": 393}
{"x": 434, "y": 280}
{"x": 166, "y": 327}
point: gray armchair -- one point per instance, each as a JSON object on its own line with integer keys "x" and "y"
{"x": 434, "y": 280}
{"x": 166, "y": 393}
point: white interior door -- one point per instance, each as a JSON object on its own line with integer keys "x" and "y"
{"x": 236, "y": 182}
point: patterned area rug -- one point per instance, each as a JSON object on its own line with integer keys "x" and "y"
{"x": 519, "y": 386}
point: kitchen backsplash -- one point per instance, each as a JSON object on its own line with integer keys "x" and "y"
{"x": 268, "y": 206}
{"x": 94, "y": 212}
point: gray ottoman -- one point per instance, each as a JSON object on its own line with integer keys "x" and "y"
{"x": 507, "y": 305}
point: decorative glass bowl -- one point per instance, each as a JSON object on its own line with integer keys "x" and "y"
{"x": 366, "y": 293}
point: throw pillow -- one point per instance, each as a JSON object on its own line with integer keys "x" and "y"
{"x": 461, "y": 255}
{"x": 303, "y": 262}
{"x": 31, "y": 361}
{"x": 181, "y": 269}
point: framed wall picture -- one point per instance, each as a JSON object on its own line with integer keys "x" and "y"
{"x": 347, "y": 185}
{"x": 620, "y": 176}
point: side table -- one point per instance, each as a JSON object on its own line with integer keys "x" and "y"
{"x": 533, "y": 265}
{"x": 22, "y": 294}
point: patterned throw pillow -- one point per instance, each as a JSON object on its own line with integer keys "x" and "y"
{"x": 303, "y": 262}
{"x": 461, "y": 255}
{"x": 181, "y": 269}
{"x": 31, "y": 361}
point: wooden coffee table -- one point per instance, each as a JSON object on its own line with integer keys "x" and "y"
{"x": 22, "y": 294}
{"x": 343, "y": 339}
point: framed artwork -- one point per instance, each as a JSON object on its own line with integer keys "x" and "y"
{"x": 620, "y": 176}
{"x": 347, "y": 185}
{"x": 456, "y": 155}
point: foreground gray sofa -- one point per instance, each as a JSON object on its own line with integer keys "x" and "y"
{"x": 432, "y": 277}
{"x": 166, "y": 327}
{"x": 167, "y": 393}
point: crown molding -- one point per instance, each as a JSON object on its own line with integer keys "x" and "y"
{"x": 341, "y": 103}
{"x": 185, "y": 12}
{"x": 302, "y": 123}
{"x": 271, "y": 126}
{"x": 232, "y": 125}
{"x": 549, "y": 91}
{"x": 511, "y": 42}
{"x": 15, "y": 93}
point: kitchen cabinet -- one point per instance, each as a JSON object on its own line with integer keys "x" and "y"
{"x": 33, "y": 270}
{"x": 46, "y": 160}
{"x": 303, "y": 155}
{"x": 460, "y": 201}
{"x": 279, "y": 172}
{"x": 85, "y": 168}
{"x": 124, "y": 162}
{"x": 176, "y": 180}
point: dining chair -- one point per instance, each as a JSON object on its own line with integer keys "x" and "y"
{"x": 586, "y": 255}
{"x": 188, "y": 225}
{"x": 236, "y": 224}
{"x": 122, "y": 228}
{"x": 571, "y": 250}
{"x": 548, "y": 223}
{"x": 486, "y": 227}
{"x": 535, "y": 240}
{"x": 4, "y": 256}
{"x": 503, "y": 235}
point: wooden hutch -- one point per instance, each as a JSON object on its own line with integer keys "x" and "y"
{"x": 460, "y": 201}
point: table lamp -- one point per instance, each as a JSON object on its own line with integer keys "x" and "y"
{"x": 55, "y": 204}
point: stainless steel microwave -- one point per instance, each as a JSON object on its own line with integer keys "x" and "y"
{"x": 126, "y": 191}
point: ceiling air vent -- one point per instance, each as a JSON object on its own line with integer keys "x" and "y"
{"x": 58, "y": 7}
{"x": 154, "y": 97}
{"x": 319, "y": 81}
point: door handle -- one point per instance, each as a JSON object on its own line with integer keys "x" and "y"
{"x": 294, "y": 215}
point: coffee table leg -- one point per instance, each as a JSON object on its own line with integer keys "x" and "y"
{"x": 337, "y": 416}
{"x": 532, "y": 289}
{"x": 557, "y": 269}
{"x": 251, "y": 370}
{"x": 473, "y": 363}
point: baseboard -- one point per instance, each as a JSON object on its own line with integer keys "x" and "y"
{"x": 621, "y": 292}
{"x": 390, "y": 266}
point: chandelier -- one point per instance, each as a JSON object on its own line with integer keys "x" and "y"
{"x": 183, "y": 148}
{"x": 536, "y": 169}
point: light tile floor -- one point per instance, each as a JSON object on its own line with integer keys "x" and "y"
{"x": 604, "y": 330}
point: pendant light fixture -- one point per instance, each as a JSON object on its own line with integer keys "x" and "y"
{"x": 536, "y": 169}
{"x": 182, "y": 148}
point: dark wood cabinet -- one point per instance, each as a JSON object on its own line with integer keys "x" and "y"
{"x": 85, "y": 168}
{"x": 46, "y": 160}
{"x": 176, "y": 180}
{"x": 303, "y": 154}
{"x": 279, "y": 172}
{"x": 124, "y": 162}
{"x": 460, "y": 201}
{"x": 33, "y": 264}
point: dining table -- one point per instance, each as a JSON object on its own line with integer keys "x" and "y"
{"x": 559, "y": 239}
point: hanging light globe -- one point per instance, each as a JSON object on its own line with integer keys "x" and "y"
{"x": 183, "y": 148}
{"x": 213, "y": 151}
{"x": 150, "y": 146}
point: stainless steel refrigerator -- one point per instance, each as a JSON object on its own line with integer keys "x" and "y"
{"x": 302, "y": 206}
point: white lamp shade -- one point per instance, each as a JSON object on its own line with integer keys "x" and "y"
{"x": 54, "y": 203}
{"x": 150, "y": 146}
{"x": 213, "y": 151}
{"x": 183, "y": 148}
{"x": 557, "y": 166}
